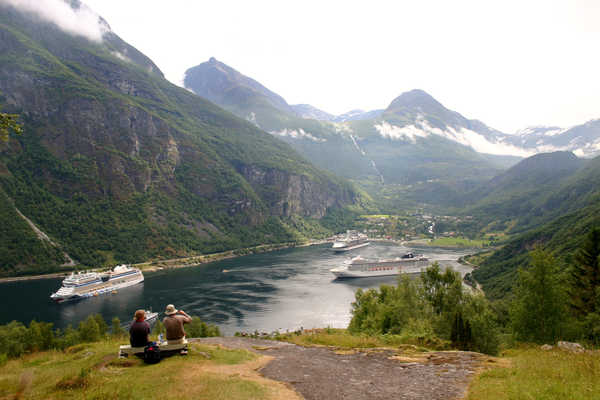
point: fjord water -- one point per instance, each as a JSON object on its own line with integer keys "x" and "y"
{"x": 283, "y": 290}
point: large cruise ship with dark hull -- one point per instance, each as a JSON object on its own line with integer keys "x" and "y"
{"x": 358, "y": 267}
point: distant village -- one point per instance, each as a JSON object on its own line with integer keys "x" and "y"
{"x": 413, "y": 226}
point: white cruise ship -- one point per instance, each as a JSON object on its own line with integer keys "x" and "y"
{"x": 361, "y": 268}
{"x": 82, "y": 285}
{"x": 350, "y": 241}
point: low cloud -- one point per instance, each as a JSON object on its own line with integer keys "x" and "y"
{"x": 408, "y": 132}
{"x": 422, "y": 129}
{"x": 81, "y": 21}
{"x": 297, "y": 134}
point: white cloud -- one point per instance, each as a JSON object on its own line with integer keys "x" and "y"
{"x": 407, "y": 132}
{"x": 421, "y": 128}
{"x": 120, "y": 56}
{"x": 341, "y": 128}
{"x": 82, "y": 22}
{"x": 250, "y": 117}
{"x": 297, "y": 134}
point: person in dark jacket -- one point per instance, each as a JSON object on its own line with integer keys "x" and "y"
{"x": 139, "y": 331}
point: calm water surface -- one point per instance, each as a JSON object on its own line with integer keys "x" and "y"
{"x": 283, "y": 290}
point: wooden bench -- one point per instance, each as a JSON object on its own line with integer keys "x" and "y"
{"x": 126, "y": 350}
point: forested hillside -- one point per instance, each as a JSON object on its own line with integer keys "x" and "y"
{"x": 559, "y": 222}
{"x": 116, "y": 164}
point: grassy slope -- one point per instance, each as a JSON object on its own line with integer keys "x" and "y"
{"x": 541, "y": 375}
{"x": 556, "y": 219}
{"x": 562, "y": 237}
{"x": 93, "y": 371}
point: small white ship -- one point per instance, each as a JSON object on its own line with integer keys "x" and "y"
{"x": 350, "y": 241}
{"x": 361, "y": 268}
{"x": 150, "y": 317}
{"x": 88, "y": 284}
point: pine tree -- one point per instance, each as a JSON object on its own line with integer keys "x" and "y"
{"x": 102, "y": 327}
{"x": 585, "y": 277}
{"x": 538, "y": 310}
{"x": 116, "y": 330}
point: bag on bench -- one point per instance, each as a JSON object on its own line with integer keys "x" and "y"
{"x": 151, "y": 353}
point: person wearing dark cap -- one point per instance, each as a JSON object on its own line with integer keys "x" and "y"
{"x": 173, "y": 322}
{"x": 139, "y": 330}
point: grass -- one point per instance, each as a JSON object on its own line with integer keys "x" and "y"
{"x": 477, "y": 259}
{"x": 94, "y": 372}
{"x": 341, "y": 338}
{"x": 540, "y": 375}
{"x": 458, "y": 242}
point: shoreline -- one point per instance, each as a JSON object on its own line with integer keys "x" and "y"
{"x": 161, "y": 265}
{"x": 183, "y": 262}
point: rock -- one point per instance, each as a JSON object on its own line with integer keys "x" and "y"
{"x": 570, "y": 346}
{"x": 547, "y": 347}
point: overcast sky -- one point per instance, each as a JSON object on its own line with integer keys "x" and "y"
{"x": 508, "y": 63}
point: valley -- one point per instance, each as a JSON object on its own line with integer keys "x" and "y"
{"x": 116, "y": 164}
{"x": 133, "y": 144}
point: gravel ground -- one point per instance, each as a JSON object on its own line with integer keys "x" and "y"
{"x": 324, "y": 373}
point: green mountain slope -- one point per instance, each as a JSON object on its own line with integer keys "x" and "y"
{"x": 322, "y": 142}
{"x": 521, "y": 197}
{"x": 571, "y": 210}
{"x": 413, "y": 149}
{"x": 118, "y": 165}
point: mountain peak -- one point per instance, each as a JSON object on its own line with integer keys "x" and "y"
{"x": 415, "y": 99}
{"x": 229, "y": 88}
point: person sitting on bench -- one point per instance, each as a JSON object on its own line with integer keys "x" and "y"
{"x": 139, "y": 331}
{"x": 173, "y": 322}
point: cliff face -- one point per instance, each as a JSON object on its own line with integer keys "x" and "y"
{"x": 118, "y": 165}
{"x": 287, "y": 194}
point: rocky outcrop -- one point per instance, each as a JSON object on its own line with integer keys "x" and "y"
{"x": 116, "y": 163}
{"x": 289, "y": 194}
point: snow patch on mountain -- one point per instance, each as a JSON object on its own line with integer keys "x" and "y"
{"x": 297, "y": 134}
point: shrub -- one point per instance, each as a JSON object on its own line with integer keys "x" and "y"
{"x": 116, "y": 330}
{"x": 88, "y": 330}
{"x": 433, "y": 309}
{"x": 197, "y": 328}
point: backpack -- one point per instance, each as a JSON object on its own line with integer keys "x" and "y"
{"x": 151, "y": 353}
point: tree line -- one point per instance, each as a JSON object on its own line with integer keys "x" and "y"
{"x": 17, "y": 338}
{"x": 550, "y": 303}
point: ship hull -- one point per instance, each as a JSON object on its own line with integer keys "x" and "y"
{"x": 348, "y": 248}
{"x": 380, "y": 268}
{"x": 99, "y": 289}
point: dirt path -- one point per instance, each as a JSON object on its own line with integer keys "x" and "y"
{"x": 248, "y": 371}
{"x": 323, "y": 373}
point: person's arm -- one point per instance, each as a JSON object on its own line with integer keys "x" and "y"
{"x": 187, "y": 318}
